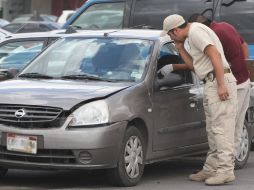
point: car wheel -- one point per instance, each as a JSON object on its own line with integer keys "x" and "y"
{"x": 244, "y": 150}
{"x": 130, "y": 164}
{"x": 3, "y": 172}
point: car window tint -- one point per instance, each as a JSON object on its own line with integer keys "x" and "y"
{"x": 43, "y": 28}
{"x": 153, "y": 12}
{"x": 241, "y": 15}
{"x": 29, "y": 28}
{"x": 13, "y": 27}
{"x": 101, "y": 16}
{"x": 18, "y": 54}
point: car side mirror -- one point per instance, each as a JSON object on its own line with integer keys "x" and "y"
{"x": 8, "y": 73}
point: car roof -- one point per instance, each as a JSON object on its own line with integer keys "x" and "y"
{"x": 148, "y": 34}
{"x": 124, "y": 33}
{"x": 32, "y": 35}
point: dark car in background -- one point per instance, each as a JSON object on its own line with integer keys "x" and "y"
{"x": 17, "y": 50}
{"x": 94, "y": 100}
{"x": 151, "y": 13}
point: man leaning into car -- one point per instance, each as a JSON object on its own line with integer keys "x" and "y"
{"x": 207, "y": 59}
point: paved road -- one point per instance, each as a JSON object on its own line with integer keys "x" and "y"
{"x": 162, "y": 176}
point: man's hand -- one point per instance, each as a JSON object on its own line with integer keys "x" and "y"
{"x": 223, "y": 92}
{"x": 166, "y": 70}
{"x": 179, "y": 44}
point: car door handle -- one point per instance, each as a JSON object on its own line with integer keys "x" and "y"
{"x": 193, "y": 104}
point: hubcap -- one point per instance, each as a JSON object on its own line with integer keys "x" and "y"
{"x": 133, "y": 156}
{"x": 244, "y": 146}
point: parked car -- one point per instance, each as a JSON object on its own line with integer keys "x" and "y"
{"x": 18, "y": 50}
{"x": 35, "y": 17}
{"x": 151, "y": 13}
{"x": 94, "y": 100}
{"x": 31, "y": 26}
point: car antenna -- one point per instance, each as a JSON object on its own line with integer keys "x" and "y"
{"x": 106, "y": 34}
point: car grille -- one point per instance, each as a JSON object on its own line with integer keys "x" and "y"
{"x": 45, "y": 156}
{"x": 24, "y": 113}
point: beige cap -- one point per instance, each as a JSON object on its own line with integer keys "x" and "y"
{"x": 171, "y": 22}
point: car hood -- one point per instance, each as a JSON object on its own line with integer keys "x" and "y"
{"x": 56, "y": 93}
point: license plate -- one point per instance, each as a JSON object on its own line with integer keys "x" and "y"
{"x": 21, "y": 143}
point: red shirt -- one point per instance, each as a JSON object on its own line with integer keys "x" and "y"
{"x": 231, "y": 42}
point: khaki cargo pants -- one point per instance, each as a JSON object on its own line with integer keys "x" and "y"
{"x": 220, "y": 126}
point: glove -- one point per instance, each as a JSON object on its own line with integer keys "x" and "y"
{"x": 166, "y": 70}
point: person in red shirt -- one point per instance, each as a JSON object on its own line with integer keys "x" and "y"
{"x": 236, "y": 51}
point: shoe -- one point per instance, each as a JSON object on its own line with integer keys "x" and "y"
{"x": 201, "y": 176}
{"x": 220, "y": 179}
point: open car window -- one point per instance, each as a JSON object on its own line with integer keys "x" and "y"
{"x": 169, "y": 55}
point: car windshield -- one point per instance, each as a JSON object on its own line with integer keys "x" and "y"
{"x": 110, "y": 59}
{"x": 101, "y": 16}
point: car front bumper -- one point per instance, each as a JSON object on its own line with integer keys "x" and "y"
{"x": 63, "y": 148}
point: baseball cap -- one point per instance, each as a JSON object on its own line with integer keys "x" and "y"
{"x": 171, "y": 22}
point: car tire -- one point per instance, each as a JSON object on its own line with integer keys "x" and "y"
{"x": 244, "y": 151}
{"x": 130, "y": 164}
{"x": 3, "y": 172}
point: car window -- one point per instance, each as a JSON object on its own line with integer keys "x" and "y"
{"x": 169, "y": 55}
{"x": 109, "y": 58}
{"x": 153, "y": 12}
{"x": 43, "y": 28}
{"x": 13, "y": 27}
{"x": 241, "y": 15}
{"x": 18, "y": 54}
{"x": 101, "y": 16}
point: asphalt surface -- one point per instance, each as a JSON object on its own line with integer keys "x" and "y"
{"x": 171, "y": 175}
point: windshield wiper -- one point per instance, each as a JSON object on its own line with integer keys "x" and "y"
{"x": 35, "y": 75}
{"x": 87, "y": 77}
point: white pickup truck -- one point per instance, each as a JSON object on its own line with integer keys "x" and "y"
{"x": 250, "y": 113}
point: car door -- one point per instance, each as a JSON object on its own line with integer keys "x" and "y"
{"x": 177, "y": 107}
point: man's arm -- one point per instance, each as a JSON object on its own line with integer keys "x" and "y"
{"x": 180, "y": 66}
{"x": 215, "y": 57}
{"x": 188, "y": 62}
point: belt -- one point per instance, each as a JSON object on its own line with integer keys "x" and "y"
{"x": 211, "y": 75}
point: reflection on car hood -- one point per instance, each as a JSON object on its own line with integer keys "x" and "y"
{"x": 55, "y": 93}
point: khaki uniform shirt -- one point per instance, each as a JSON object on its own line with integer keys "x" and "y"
{"x": 200, "y": 36}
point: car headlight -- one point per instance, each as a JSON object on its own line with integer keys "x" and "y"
{"x": 93, "y": 113}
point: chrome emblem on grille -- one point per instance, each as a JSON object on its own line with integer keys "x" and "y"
{"x": 20, "y": 113}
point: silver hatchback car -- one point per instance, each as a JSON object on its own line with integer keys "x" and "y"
{"x": 94, "y": 100}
